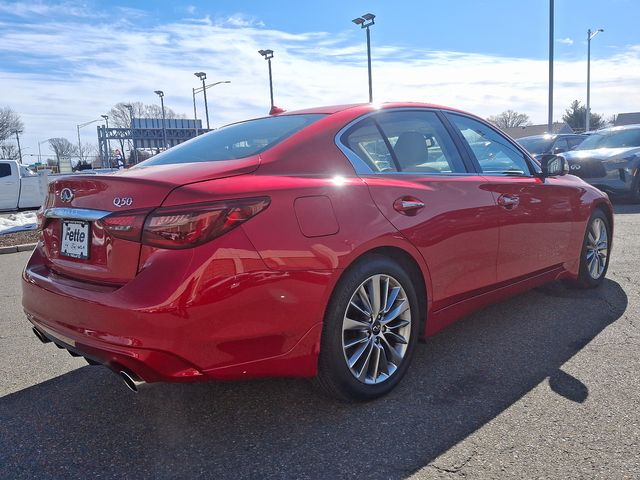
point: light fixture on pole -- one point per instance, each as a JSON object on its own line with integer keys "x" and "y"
{"x": 160, "y": 93}
{"x": 268, "y": 55}
{"x": 366, "y": 21}
{"x": 590, "y": 35}
{"x": 129, "y": 107}
{"x": 203, "y": 76}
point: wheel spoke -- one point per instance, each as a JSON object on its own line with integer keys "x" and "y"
{"x": 357, "y": 307}
{"x": 376, "y": 362}
{"x": 357, "y": 341}
{"x": 358, "y": 354}
{"x": 396, "y": 337}
{"x": 364, "y": 297}
{"x": 396, "y": 358}
{"x": 593, "y": 267}
{"x": 399, "y": 323}
{"x": 392, "y": 298}
{"x": 365, "y": 367}
{"x": 351, "y": 324}
{"x": 374, "y": 294}
{"x": 398, "y": 310}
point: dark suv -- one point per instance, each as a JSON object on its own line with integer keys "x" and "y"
{"x": 538, "y": 145}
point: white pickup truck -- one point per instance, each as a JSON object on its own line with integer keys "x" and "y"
{"x": 19, "y": 186}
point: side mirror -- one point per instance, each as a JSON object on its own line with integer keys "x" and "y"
{"x": 553, "y": 166}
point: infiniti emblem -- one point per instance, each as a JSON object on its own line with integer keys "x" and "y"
{"x": 575, "y": 167}
{"x": 66, "y": 195}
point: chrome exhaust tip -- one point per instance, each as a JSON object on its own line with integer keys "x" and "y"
{"x": 40, "y": 335}
{"x": 133, "y": 383}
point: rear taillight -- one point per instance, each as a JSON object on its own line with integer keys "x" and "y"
{"x": 187, "y": 226}
{"x": 126, "y": 225}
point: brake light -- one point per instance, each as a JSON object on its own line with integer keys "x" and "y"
{"x": 187, "y": 226}
{"x": 125, "y": 225}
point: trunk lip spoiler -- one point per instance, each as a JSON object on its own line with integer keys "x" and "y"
{"x": 75, "y": 213}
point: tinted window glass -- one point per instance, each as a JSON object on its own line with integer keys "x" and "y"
{"x": 420, "y": 142}
{"x": 575, "y": 141}
{"x": 365, "y": 140}
{"x": 495, "y": 154}
{"x": 611, "y": 139}
{"x": 536, "y": 145}
{"x": 235, "y": 141}
{"x": 560, "y": 146}
{"x": 5, "y": 170}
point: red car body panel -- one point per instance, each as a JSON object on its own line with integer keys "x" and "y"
{"x": 251, "y": 302}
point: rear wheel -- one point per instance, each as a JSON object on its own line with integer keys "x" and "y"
{"x": 635, "y": 187}
{"x": 370, "y": 331}
{"x": 594, "y": 258}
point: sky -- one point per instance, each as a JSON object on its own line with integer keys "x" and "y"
{"x": 64, "y": 63}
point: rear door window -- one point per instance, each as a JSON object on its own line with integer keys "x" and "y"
{"x": 5, "y": 170}
{"x": 409, "y": 141}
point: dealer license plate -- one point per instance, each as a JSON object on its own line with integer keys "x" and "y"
{"x": 75, "y": 239}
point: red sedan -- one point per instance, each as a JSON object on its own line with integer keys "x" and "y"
{"x": 320, "y": 243}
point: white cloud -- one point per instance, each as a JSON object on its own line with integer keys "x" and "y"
{"x": 58, "y": 73}
{"x": 565, "y": 41}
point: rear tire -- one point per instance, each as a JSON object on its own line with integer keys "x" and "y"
{"x": 370, "y": 331}
{"x": 635, "y": 187}
{"x": 596, "y": 250}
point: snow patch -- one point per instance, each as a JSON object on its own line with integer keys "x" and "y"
{"x": 17, "y": 222}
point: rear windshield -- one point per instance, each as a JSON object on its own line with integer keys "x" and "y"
{"x": 238, "y": 140}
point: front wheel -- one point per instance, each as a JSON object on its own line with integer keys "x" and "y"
{"x": 370, "y": 331}
{"x": 594, "y": 258}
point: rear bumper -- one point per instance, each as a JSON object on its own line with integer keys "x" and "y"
{"x": 186, "y": 318}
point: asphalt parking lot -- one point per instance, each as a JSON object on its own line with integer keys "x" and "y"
{"x": 544, "y": 385}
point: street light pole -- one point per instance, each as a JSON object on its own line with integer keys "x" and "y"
{"x": 17, "y": 132}
{"x": 40, "y": 151}
{"x": 203, "y": 76}
{"x": 129, "y": 107}
{"x": 160, "y": 93}
{"x": 551, "y": 34}
{"x": 106, "y": 119}
{"x": 366, "y": 21}
{"x": 195, "y": 113}
{"x": 268, "y": 55}
{"x": 590, "y": 36}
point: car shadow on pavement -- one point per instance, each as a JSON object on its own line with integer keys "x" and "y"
{"x": 85, "y": 423}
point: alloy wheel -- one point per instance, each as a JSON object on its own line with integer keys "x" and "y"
{"x": 376, "y": 329}
{"x": 597, "y": 248}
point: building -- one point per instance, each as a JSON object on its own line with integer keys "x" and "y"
{"x": 528, "y": 130}
{"x": 626, "y": 119}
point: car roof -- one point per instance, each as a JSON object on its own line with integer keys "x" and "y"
{"x": 331, "y": 109}
{"x": 634, "y": 126}
{"x": 552, "y": 136}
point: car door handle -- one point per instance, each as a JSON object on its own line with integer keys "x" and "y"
{"x": 408, "y": 205}
{"x": 508, "y": 201}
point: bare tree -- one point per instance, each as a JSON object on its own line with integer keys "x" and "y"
{"x": 9, "y": 123}
{"x": 8, "y": 151}
{"x": 63, "y": 149}
{"x": 510, "y": 119}
{"x": 85, "y": 150}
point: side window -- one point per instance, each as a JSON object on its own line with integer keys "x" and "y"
{"x": 495, "y": 154}
{"x": 420, "y": 142}
{"x": 5, "y": 170}
{"x": 574, "y": 141}
{"x": 560, "y": 146}
{"x": 365, "y": 140}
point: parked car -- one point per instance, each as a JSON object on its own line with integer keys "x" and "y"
{"x": 320, "y": 243}
{"x": 538, "y": 145}
{"x": 19, "y": 186}
{"x": 610, "y": 160}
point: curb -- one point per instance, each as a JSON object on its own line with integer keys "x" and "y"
{"x": 27, "y": 247}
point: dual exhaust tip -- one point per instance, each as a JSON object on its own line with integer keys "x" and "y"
{"x": 132, "y": 381}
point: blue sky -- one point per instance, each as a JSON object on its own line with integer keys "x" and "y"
{"x": 64, "y": 63}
